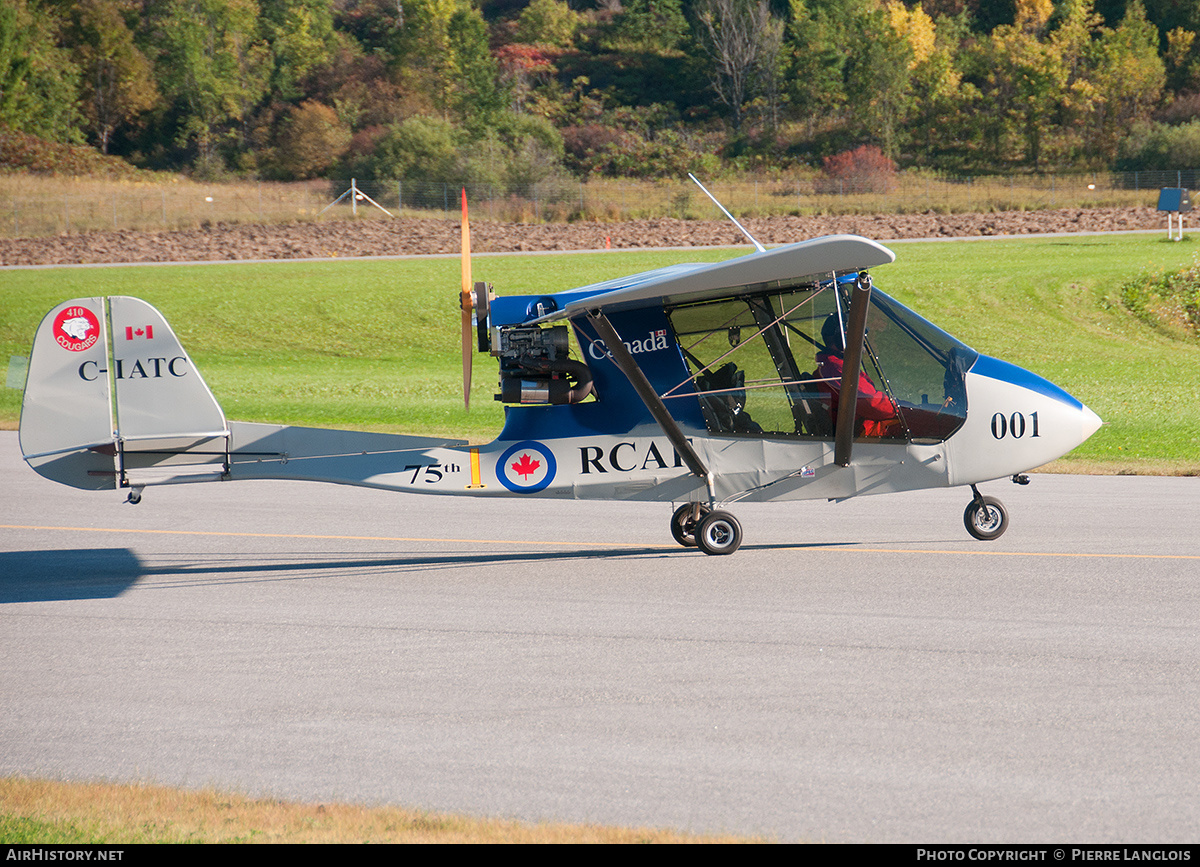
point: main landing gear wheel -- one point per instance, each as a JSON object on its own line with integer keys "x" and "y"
{"x": 985, "y": 518}
{"x": 683, "y": 524}
{"x": 719, "y": 533}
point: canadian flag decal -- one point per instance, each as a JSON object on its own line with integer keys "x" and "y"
{"x": 146, "y": 331}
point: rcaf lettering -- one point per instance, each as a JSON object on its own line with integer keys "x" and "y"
{"x": 624, "y": 457}
{"x": 653, "y": 341}
{"x": 149, "y": 368}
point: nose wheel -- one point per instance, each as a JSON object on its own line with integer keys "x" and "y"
{"x": 985, "y": 517}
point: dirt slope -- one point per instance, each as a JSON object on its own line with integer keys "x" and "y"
{"x": 410, "y": 236}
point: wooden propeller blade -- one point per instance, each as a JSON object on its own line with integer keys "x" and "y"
{"x": 466, "y": 302}
{"x": 466, "y": 356}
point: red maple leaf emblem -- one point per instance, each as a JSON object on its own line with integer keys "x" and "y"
{"x": 526, "y": 467}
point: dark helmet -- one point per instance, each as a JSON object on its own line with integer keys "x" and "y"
{"x": 831, "y": 334}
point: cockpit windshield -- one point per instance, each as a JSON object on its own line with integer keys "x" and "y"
{"x": 925, "y": 368}
{"x": 768, "y": 362}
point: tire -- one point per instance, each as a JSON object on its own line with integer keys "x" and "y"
{"x": 986, "y": 523}
{"x": 683, "y": 528}
{"x": 719, "y": 533}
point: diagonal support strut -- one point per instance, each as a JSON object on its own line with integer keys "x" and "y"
{"x": 856, "y": 329}
{"x": 628, "y": 366}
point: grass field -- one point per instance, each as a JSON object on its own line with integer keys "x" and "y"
{"x": 374, "y": 344}
{"x": 50, "y": 812}
{"x": 36, "y": 204}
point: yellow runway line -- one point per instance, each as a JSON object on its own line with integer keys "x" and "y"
{"x": 841, "y": 547}
{"x": 297, "y": 536}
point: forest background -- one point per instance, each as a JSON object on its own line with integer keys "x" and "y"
{"x": 514, "y": 92}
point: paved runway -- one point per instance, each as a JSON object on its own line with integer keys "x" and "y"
{"x": 857, "y": 672}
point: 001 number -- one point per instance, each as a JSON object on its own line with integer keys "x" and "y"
{"x": 1014, "y": 425}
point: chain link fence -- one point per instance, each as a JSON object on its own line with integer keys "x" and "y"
{"x": 37, "y": 207}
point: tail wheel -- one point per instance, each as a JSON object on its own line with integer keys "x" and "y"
{"x": 986, "y": 518}
{"x": 719, "y": 533}
{"x": 683, "y": 524}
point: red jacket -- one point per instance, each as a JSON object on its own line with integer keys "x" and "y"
{"x": 875, "y": 413}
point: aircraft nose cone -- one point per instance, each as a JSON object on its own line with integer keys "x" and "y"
{"x": 1091, "y": 423}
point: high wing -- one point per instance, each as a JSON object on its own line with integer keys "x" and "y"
{"x": 834, "y": 254}
{"x": 827, "y": 257}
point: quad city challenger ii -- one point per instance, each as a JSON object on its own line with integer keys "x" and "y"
{"x": 697, "y": 385}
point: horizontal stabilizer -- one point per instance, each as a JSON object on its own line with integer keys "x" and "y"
{"x": 252, "y": 441}
{"x": 269, "y": 451}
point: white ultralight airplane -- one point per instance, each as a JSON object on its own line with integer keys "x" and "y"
{"x": 699, "y": 385}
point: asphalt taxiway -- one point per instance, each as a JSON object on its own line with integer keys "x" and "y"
{"x": 862, "y": 671}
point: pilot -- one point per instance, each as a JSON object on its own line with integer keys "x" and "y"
{"x": 876, "y": 414}
{"x": 727, "y": 406}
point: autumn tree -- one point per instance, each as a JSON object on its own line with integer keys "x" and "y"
{"x": 647, "y": 26}
{"x": 743, "y": 40}
{"x": 39, "y": 81}
{"x": 548, "y": 22}
{"x": 474, "y": 91}
{"x": 301, "y": 38}
{"x": 116, "y": 81}
{"x": 312, "y": 139}
{"x": 814, "y": 60}
{"x": 943, "y": 101}
{"x": 1128, "y": 79}
{"x": 879, "y": 79}
{"x": 1024, "y": 81}
{"x": 212, "y": 64}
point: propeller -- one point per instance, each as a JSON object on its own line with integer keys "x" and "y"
{"x": 475, "y": 301}
{"x": 466, "y": 302}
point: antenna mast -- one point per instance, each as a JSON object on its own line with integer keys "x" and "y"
{"x": 757, "y": 246}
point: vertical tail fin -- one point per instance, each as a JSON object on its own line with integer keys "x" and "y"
{"x": 110, "y": 389}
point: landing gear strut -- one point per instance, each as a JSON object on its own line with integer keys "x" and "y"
{"x": 985, "y": 517}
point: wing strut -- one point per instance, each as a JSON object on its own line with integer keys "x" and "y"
{"x": 626, "y": 364}
{"x": 856, "y": 329}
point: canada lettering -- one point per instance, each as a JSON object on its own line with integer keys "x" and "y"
{"x": 654, "y": 340}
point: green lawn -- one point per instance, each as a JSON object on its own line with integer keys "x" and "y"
{"x": 374, "y": 344}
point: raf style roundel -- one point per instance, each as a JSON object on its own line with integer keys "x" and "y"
{"x": 526, "y": 468}
{"x": 76, "y": 328}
